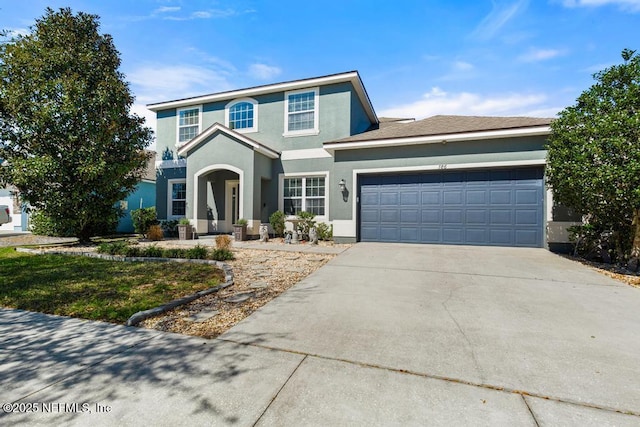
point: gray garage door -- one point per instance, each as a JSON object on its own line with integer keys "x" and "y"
{"x": 500, "y": 207}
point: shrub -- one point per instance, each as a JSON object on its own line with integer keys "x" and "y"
{"x": 325, "y": 231}
{"x": 277, "y": 222}
{"x": 151, "y": 251}
{"x": 113, "y": 248}
{"x": 143, "y": 219}
{"x": 223, "y": 241}
{"x": 173, "y": 253}
{"x": 155, "y": 232}
{"x": 222, "y": 255}
{"x": 184, "y": 221}
{"x": 197, "y": 252}
{"x": 242, "y": 221}
{"x": 131, "y": 251}
{"x": 306, "y": 223}
{"x": 170, "y": 228}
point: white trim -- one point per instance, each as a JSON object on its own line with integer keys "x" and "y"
{"x": 351, "y": 76}
{"x": 316, "y": 113}
{"x": 171, "y": 164}
{"x": 308, "y": 153}
{"x": 324, "y": 174}
{"x": 211, "y": 168}
{"x": 217, "y": 127}
{"x": 426, "y": 168}
{"x": 439, "y": 139}
{"x": 192, "y": 107}
{"x": 170, "y": 183}
{"x": 251, "y": 101}
{"x": 344, "y": 228}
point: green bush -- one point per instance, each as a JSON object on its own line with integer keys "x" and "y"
{"x": 131, "y": 251}
{"x": 113, "y": 248}
{"x": 173, "y": 253}
{"x": 277, "y": 222}
{"x": 306, "y": 223}
{"x": 170, "y": 228}
{"x": 222, "y": 255}
{"x": 197, "y": 252}
{"x": 151, "y": 251}
{"x": 44, "y": 225}
{"x": 325, "y": 231}
{"x": 143, "y": 219}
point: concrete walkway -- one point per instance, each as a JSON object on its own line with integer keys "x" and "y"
{"x": 381, "y": 335}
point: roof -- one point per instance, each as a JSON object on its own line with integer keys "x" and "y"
{"x": 350, "y": 76}
{"x": 217, "y": 127}
{"x": 444, "y": 125}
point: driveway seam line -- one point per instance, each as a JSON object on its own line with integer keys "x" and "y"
{"x": 443, "y": 378}
{"x": 535, "y": 420}
{"x": 480, "y": 275}
{"x": 275, "y": 396}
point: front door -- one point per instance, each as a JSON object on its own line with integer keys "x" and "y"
{"x": 232, "y": 203}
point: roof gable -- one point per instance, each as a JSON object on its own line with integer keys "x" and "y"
{"x": 217, "y": 127}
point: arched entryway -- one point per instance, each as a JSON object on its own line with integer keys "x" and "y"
{"x": 218, "y": 201}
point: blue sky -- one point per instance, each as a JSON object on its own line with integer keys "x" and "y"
{"x": 416, "y": 58}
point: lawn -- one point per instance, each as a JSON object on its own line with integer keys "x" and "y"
{"x": 96, "y": 289}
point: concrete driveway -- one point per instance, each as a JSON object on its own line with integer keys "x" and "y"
{"x": 382, "y": 335}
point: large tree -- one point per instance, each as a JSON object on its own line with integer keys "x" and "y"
{"x": 68, "y": 141}
{"x": 594, "y": 155}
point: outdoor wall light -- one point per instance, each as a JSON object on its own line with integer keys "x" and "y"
{"x": 343, "y": 189}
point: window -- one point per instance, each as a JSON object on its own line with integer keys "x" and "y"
{"x": 304, "y": 194}
{"x": 188, "y": 124}
{"x": 242, "y": 115}
{"x": 301, "y": 112}
{"x": 177, "y": 202}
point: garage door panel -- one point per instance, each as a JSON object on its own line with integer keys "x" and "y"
{"x": 431, "y": 197}
{"x": 452, "y": 216}
{"x": 410, "y": 216}
{"x": 389, "y": 216}
{"x": 370, "y": 215}
{"x": 453, "y": 197}
{"x": 500, "y": 197}
{"x": 388, "y": 198}
{"x": 476, "y": 197}
{"x": 409, "y": 197}
{"x": 454, "y": 236}
{"x": 431, "y": 216}
{"x": 431, "y": 235}
{"x": 485, "y": 207}
{"x": 477, "y": 216}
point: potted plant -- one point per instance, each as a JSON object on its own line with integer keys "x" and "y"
{"x": 240, "y": 230}
{"x": 185, "y": 229}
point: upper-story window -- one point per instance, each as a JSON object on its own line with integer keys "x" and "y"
{"x": 242, "y": 115}
{"x": 301, "y": 112}
{"x": 188, "y": 123}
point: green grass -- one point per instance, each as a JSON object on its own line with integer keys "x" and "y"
{"x": 96, "y": 289}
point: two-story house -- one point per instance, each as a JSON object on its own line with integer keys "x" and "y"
{"x": 317, "y": 145}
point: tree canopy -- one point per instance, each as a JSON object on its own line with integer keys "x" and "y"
{"x": 67, "y": 138}
{"x": 594, "y": 154}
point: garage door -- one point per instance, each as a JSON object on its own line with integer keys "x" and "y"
{"x": 500, "y": 207}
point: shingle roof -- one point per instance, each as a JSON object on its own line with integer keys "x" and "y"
{"x": 445, "y": 125}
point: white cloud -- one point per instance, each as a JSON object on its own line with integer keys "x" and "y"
{"x": 535, "y": 55}
{"x": 462, "y": 66}
{"x": 15, "y": 32}
{"x": 630, "y": 5}
{"x": 438, "y": 101}
{"x": 166, "y": 9}
{"x": 161, "y": 83}
{"x": 263, "y": 71}
{"x": 501, "y": 13}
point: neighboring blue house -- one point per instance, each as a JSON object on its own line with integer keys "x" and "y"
{"x": 144, "y": 196}
{"x": 317, "y": 145}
